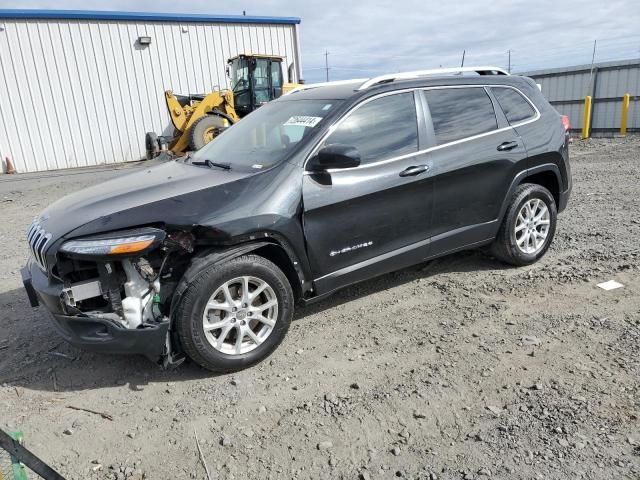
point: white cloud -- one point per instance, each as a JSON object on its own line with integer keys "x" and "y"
{"x": 365, "y": 38}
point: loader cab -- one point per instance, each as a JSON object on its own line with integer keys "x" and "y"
{"x": 255, "y": 80}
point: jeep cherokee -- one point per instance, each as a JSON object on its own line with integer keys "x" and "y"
{"x": 206, "y": 255}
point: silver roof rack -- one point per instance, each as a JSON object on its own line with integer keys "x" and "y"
{"x": 307, "y": 86}
{"x": 390, "y": 77}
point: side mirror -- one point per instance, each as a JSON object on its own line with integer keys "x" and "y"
{"x": 337, "y": 156}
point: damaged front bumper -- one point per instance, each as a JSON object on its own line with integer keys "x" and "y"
{"x": 93, "y": 333}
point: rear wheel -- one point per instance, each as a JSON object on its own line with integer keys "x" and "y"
{"x": 528, "y": 226}
{"x": 206, "y": 129}
{"x": 235, "y": 314}
{"x": 152, "y": 145}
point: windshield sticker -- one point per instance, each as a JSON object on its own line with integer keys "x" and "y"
{"x": 257, "y": 165}
{"x": 303, "y": 121}
{"x": 326, "y": 107}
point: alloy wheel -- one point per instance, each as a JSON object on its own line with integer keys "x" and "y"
{"x": 240, "y": 315}
{"x": 532, "y": 226}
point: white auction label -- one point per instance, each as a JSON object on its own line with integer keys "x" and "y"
{"x": 303, "y": 121}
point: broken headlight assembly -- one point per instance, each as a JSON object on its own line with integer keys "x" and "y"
{"x": 126, "y": 276}
{"x": 123, "y": 276}
{"x": 124, "y": 243}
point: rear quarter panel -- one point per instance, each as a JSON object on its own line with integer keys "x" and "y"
{"x": 545, "y": 139}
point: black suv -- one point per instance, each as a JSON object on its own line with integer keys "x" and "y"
{"x": 206, "y": 255}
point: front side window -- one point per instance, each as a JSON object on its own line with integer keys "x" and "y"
{"x": 383, "y": 128}
{"x": 514, "y": 105}
{"x": 239, "y": 74}
{"x": 240, "y": 82}
{"x": 459, "y": 113}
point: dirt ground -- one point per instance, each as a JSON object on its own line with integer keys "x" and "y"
{"x": 461, "y": 368}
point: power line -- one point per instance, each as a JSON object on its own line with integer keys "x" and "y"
{"x": 609, "y": 49}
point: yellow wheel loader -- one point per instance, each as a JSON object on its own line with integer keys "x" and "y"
{"x": 198, "y": 119}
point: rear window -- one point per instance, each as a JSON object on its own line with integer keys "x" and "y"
{"x": 459, "y": 113}
{"x": 515, "y": 107}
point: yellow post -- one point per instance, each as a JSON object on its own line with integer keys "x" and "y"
{"x": 586, "y": 117}
{"x": 626, "y": 99}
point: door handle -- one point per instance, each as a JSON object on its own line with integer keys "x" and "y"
{"x": 415, "y": 170}
{"x": 506, "y": 146}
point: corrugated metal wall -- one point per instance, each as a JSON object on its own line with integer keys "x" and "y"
{"x": 607, "y": 82}
{"x": 81, "y": 92}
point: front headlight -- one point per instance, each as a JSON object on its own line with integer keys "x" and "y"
{"x": 117, "y": 243}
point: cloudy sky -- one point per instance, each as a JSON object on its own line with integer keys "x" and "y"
{"x": 368, "y": 38}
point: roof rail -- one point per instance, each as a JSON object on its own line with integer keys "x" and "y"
{"x": 307, "y": 86}
{"x": 390, "y": 77}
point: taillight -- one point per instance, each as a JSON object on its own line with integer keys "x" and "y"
{"x": 565, "y": 122}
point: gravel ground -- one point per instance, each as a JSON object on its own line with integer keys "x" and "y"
{"x": 461, "y": 368}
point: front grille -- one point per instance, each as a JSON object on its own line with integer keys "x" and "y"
{"x": 38, "y": 240}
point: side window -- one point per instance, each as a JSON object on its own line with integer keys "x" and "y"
{"x": 459, "y": 113}
{"x": 276, "y": 74}
{"x": 514, "y": 105}
{"x": 276, "y": 79}
{"x": 383, "y": 128}
{"x": 261, "y": 81}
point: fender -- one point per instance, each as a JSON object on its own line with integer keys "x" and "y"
{"x": 220, "y": 113}
{"x": 204, "y": 259}
{"x": 547, "y": 167}
{"x": 215, "y": 255}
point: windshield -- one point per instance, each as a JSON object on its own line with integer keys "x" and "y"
{"x": 266, "y": 136}
{"x": 239, "y": 74}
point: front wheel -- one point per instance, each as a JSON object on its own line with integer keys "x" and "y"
{"x": 528, "y": 226}
{"x": 205, "y": 129}
{"x": 235, "y": 314}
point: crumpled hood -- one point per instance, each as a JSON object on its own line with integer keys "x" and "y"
{"x": 166, "y": 183}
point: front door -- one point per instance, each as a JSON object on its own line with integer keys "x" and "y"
{"x": 374, "y": 218}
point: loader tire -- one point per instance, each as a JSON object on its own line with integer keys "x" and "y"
{"x": 152, "y": 145}
{"x": 204, "y": 130}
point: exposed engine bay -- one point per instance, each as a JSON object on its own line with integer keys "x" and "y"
{"x": 133, "y": 289}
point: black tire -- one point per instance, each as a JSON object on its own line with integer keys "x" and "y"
{"x": 504, "y": 247}
{"x": 204, "y": 130}
{"x": 189, "y": 316}
{"x": 152, "y": 145}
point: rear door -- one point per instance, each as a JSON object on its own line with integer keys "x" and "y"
{"x": 476, "y": 157}
{"x": 363, "y": 221}
{"x": 521, "y": 115}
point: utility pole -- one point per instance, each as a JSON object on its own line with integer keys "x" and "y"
{"x": 593, "y": 58}
{"x": 509, "y": 67}
{"x": 326, "y": 63}
{"x": 462, "y": 63}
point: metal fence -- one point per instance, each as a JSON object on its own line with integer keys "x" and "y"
{"x": 566, "y": 89}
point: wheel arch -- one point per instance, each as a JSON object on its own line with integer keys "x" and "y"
{"x": 547, "y": 178}
{"x": 547, "y": 175}
{"x": 270, "y": 249}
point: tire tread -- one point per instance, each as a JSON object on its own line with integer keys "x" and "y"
{"x": 503, "y": 248}
{"x": 194, "y": 345}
